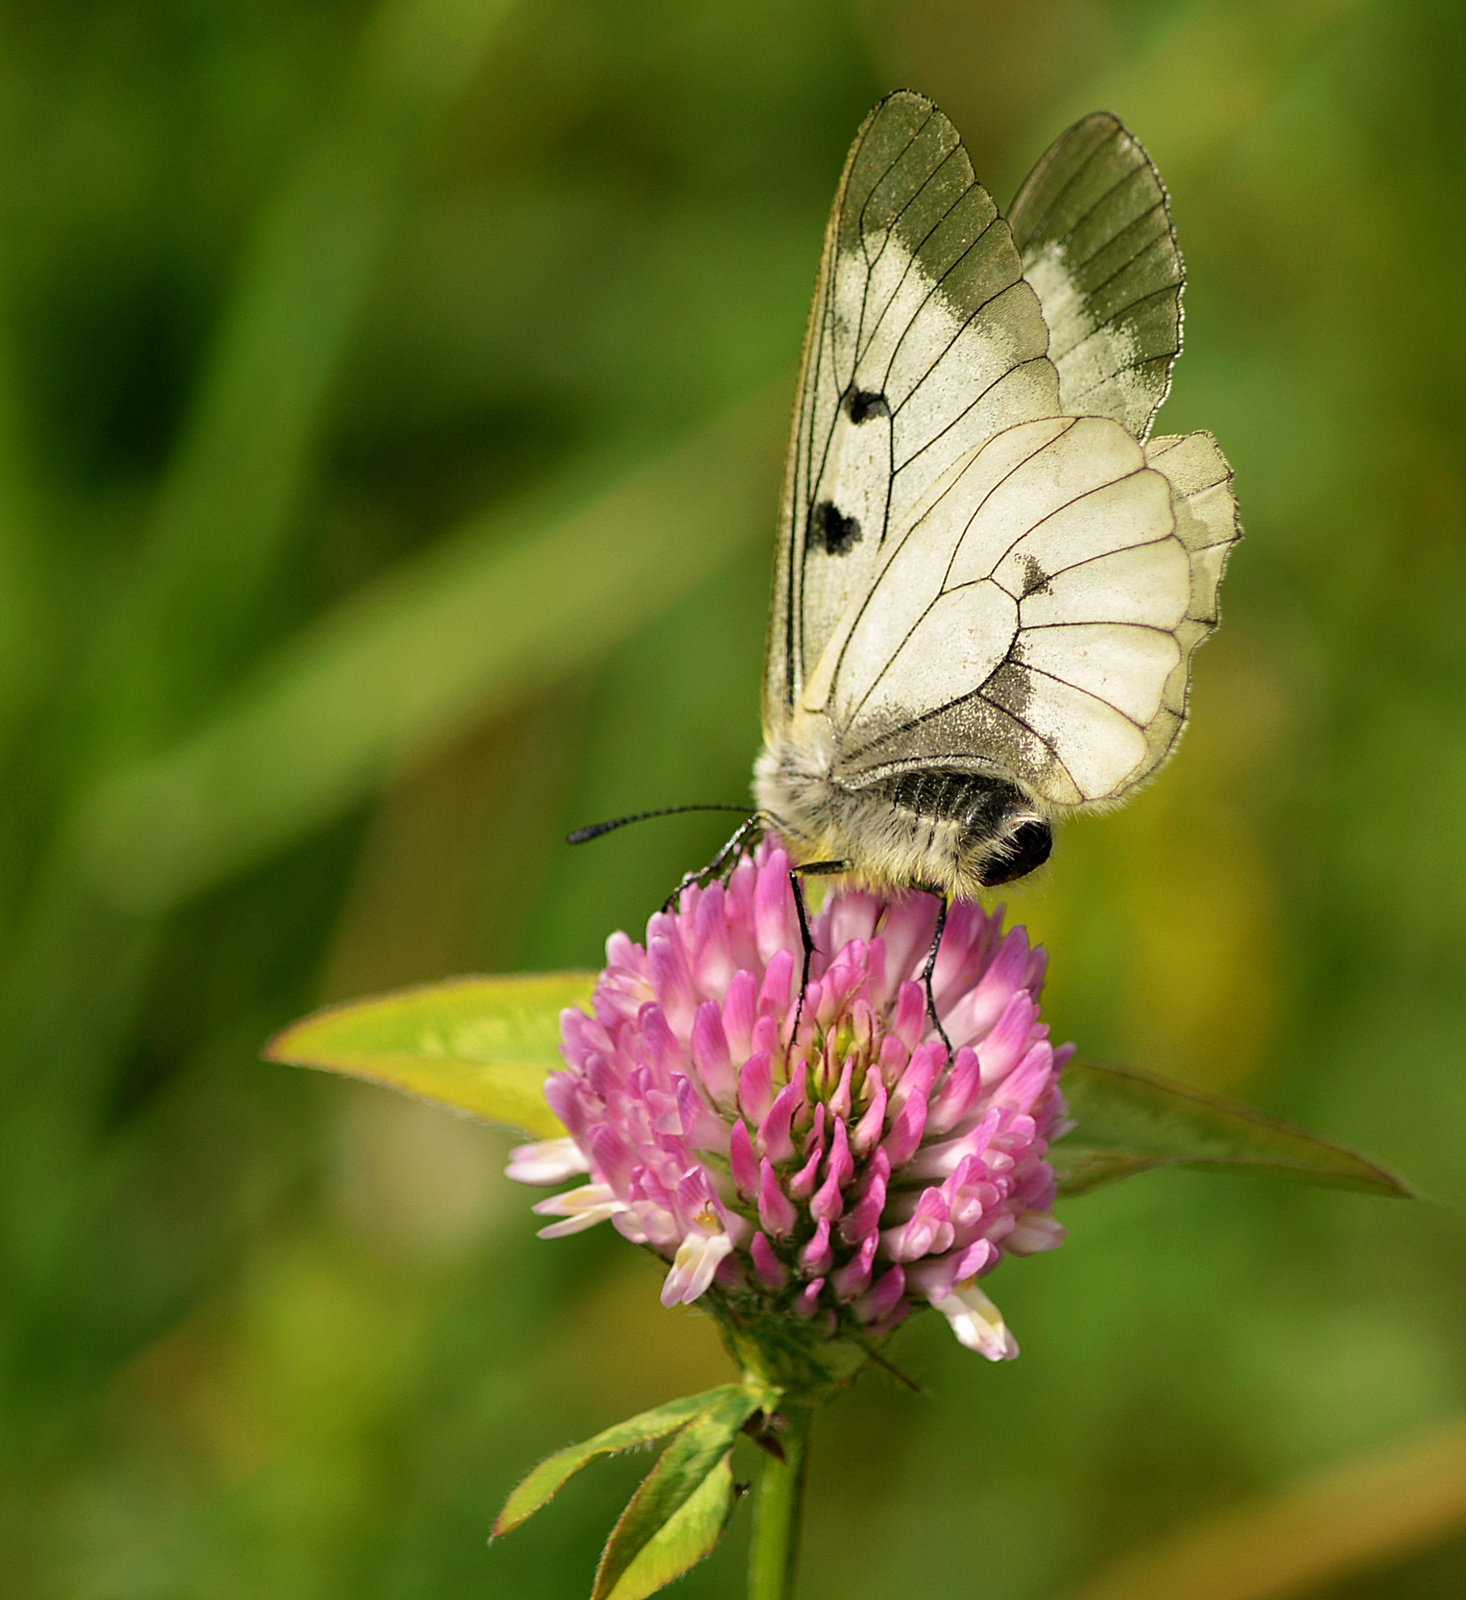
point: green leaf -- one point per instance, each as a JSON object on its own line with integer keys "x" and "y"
{"x": 1127, "y": 1121}
{"x": 662, "y": 1532}
{"x": 480, "y": 1045}
{"x": 555, "y": 1471}
{"x": 688, "y": 1536}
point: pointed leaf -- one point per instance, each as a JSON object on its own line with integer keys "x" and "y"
{"x": 1127, "y": 1121}
{"x": 684, "y": 1468}
{"x": 480, "y": 1045}
{"x": 555, "y": 1471}
{"x": 688, "y": 1536}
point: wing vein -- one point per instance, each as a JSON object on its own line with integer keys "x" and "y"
{"x": 1105, "y": 244}
{"x": 1048, "y": 516}
{"x": 1089, "y": 694}
{"x": 1038, "y": 227}
{"x": 1042, "y": 627}
{"x": 1094, "y": 206}
{"x": 961, "y": 416}
{"x": 914, "y": 262}
{"x": 957, "y": 334}
{"x": 889, "y": 169}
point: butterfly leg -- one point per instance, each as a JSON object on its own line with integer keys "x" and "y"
{"x": 741, "y": 834}
{"x": 812, "y": 869}
{"x": 931, "y": 967}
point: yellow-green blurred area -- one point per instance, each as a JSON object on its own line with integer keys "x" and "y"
{"x": 391, "y": 407}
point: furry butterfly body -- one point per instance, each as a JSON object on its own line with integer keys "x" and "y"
{"x": 989, "y": 578}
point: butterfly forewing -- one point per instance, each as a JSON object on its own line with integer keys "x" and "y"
{"x": 924, "y": 341}
{"x": 1093, "y": 224}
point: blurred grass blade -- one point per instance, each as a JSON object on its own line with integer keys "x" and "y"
{"x": 465, "y": 633}
{"x": 1357, "y": 1515}
{"x": 555, "y": 1471}
{"x": 1214, "y": 72}
{"x": 481, "y": 1045}
{"x": 676, "y": 1517}
{"x": 1128, "y": 1121}
{"x": 27, "y": 644}
{"x": 226, "y": 505}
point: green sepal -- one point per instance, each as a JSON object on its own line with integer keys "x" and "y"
{"x": 678, "y": 1514}
{"x": 1128, "y": 1121}
{"x": 479, "y": 1045}
{"x": 555, "y": 1471}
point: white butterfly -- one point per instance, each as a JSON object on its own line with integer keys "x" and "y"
{"x": 989, "y": 579}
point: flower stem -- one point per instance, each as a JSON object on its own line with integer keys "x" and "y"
{"x": 777, "y": 1502}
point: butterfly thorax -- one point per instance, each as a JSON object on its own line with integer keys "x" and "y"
{"x": 934, "y": 826}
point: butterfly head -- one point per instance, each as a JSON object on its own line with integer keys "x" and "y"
{"x": 1023, "y": 849}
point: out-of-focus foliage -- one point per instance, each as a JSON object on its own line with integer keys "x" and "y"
{"x": 1359, "y": 1513}
{"x": 389, "y": 402}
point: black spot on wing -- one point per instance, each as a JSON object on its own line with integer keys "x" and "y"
{"x": 831, "y": 531}
{"x": 1035, "y": 579}
{"x": 862, "y": 404}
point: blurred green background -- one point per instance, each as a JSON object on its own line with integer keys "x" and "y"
{"x": 391, "y": 407}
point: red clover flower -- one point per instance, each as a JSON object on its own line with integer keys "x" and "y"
{"x": 841, "y": 1173}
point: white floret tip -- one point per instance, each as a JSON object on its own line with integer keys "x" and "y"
{"x": 697, "y": 1260}
{"x": 581, "y": 1208}
{"x": 1036, "y": 1231}
{"x": 977, "y": 1322}
{"x": 549, "y": 1161}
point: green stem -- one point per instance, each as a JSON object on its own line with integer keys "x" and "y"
{"x": 777, "y": 1501}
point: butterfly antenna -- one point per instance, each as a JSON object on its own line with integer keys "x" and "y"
{"x": 596, "y": 829}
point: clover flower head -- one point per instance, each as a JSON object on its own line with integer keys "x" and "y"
{"x": 819, "y": 1160}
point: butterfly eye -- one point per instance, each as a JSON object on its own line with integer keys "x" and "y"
{"x": 1027, "y": 847}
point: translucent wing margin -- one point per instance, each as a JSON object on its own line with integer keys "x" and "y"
{"x": 1037, "y": 616}
{"x": 1207, "y": 524}
{"x": 924, "y": 341}
{"x": 1093, "y": 223}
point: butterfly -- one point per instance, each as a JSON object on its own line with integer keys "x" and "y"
{"x": 990, "y": 578}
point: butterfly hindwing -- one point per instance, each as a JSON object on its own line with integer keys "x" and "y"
{"x": 1206, "y": 523}
{"x": 1093, "y": 223}
{"x": 1038, "y": 618}
{"x": 924, "y": 341}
